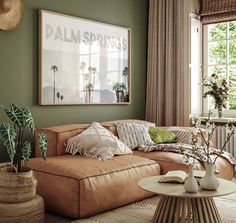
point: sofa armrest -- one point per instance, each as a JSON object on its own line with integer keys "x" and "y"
{"x": 57, "y": 136}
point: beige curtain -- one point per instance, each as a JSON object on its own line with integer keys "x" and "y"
{"x": 195, "y": 6}
{"x": 165, "y": 72}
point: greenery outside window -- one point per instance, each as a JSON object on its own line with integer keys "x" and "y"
{"x": 220, "y": 58}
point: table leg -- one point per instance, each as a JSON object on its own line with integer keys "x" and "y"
{"x": 186, "y": 210}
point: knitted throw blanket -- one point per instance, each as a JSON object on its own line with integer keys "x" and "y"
{"x": 183, "y": 148}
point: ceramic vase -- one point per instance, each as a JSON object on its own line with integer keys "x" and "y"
{"x": 209, "y": 181}
{"x": 190, "y": 184}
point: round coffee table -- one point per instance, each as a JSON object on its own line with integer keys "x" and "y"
{"x": 176, "y": 205}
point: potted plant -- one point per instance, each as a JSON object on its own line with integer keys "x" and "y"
{"x": 17, "y": 181}
{"x": 119, "y": 88}
{"x": 218, "y": 89}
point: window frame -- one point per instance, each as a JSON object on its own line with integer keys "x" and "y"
{"x": 196, "y": 66}
{"x": 227, "y": 112}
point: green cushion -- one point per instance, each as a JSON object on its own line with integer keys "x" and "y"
{"x": 160, "y": 135}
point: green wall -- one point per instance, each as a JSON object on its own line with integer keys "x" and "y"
{"x": 18, "y": 61}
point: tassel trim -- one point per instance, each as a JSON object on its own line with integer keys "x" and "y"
{"x": 74, "y": 148}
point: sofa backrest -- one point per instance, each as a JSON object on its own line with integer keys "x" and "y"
{"x": 58, "y": 135}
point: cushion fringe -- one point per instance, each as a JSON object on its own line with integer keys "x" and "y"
{"x": 74, "y": 148}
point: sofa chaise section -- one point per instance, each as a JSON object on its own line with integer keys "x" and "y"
{"x": 173, "y": 161}
{"x": 77, "y": 186}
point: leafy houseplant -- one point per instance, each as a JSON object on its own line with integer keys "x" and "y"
{"x": 218, "y": 89}
{"x": 12, "y": 136}
{"x": 119, "y": 88}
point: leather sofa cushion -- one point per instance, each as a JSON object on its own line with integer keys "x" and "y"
{"x": 173, "y": 161}
{"x": 78, "y": 186}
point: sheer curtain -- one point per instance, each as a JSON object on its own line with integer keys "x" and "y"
{"x": 165, "y": 67}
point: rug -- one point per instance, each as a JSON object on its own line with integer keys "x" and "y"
{"x": 142, "y": 211}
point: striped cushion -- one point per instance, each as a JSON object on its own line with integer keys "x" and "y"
{"x": 183, "y": 135}
{"x": 133, "y": 134}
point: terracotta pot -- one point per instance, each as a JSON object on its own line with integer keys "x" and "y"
{"x": 16, "y": 187}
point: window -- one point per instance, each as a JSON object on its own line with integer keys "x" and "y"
{"x": 220, "y": 57}
{"x": 93, "y": 56}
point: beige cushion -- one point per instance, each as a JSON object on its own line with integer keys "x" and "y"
{"x": 134, "y": 134}
{"x": 96, "y": 141}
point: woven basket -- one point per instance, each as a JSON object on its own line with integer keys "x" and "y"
{"x": 16, "y": 187}
{"x": 25, "y": 212}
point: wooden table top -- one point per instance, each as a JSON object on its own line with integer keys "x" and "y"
{"x": 177, "y": 190}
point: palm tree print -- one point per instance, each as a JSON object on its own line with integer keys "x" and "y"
{"x": 58, "y": 96}
{"x": 54, "y": 68}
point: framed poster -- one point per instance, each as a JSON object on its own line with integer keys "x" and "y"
{"x": 82, "y": 61}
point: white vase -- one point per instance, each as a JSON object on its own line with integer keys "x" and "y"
{"x": 190, "y": 184}
{"x": 209, "y": 181}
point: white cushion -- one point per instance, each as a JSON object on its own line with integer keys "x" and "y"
{"x": 96, "y": 141}
{"x": 133, "y": 134}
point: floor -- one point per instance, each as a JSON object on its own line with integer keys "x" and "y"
{"x": 53, "y": 218}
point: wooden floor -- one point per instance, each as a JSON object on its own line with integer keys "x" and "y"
{"x": 53, "y": 218}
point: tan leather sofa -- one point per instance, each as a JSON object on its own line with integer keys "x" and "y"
{"x": 77, "y": 186}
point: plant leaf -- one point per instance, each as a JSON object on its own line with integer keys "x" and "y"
{"x": 43, "y": 143}
{"x": 14, "y": 113}
{"x": 8, "y": 135}
{"x": 28, "y": 120}
{"x": 21, "y": 117}
{"x": 26, "y": 153}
